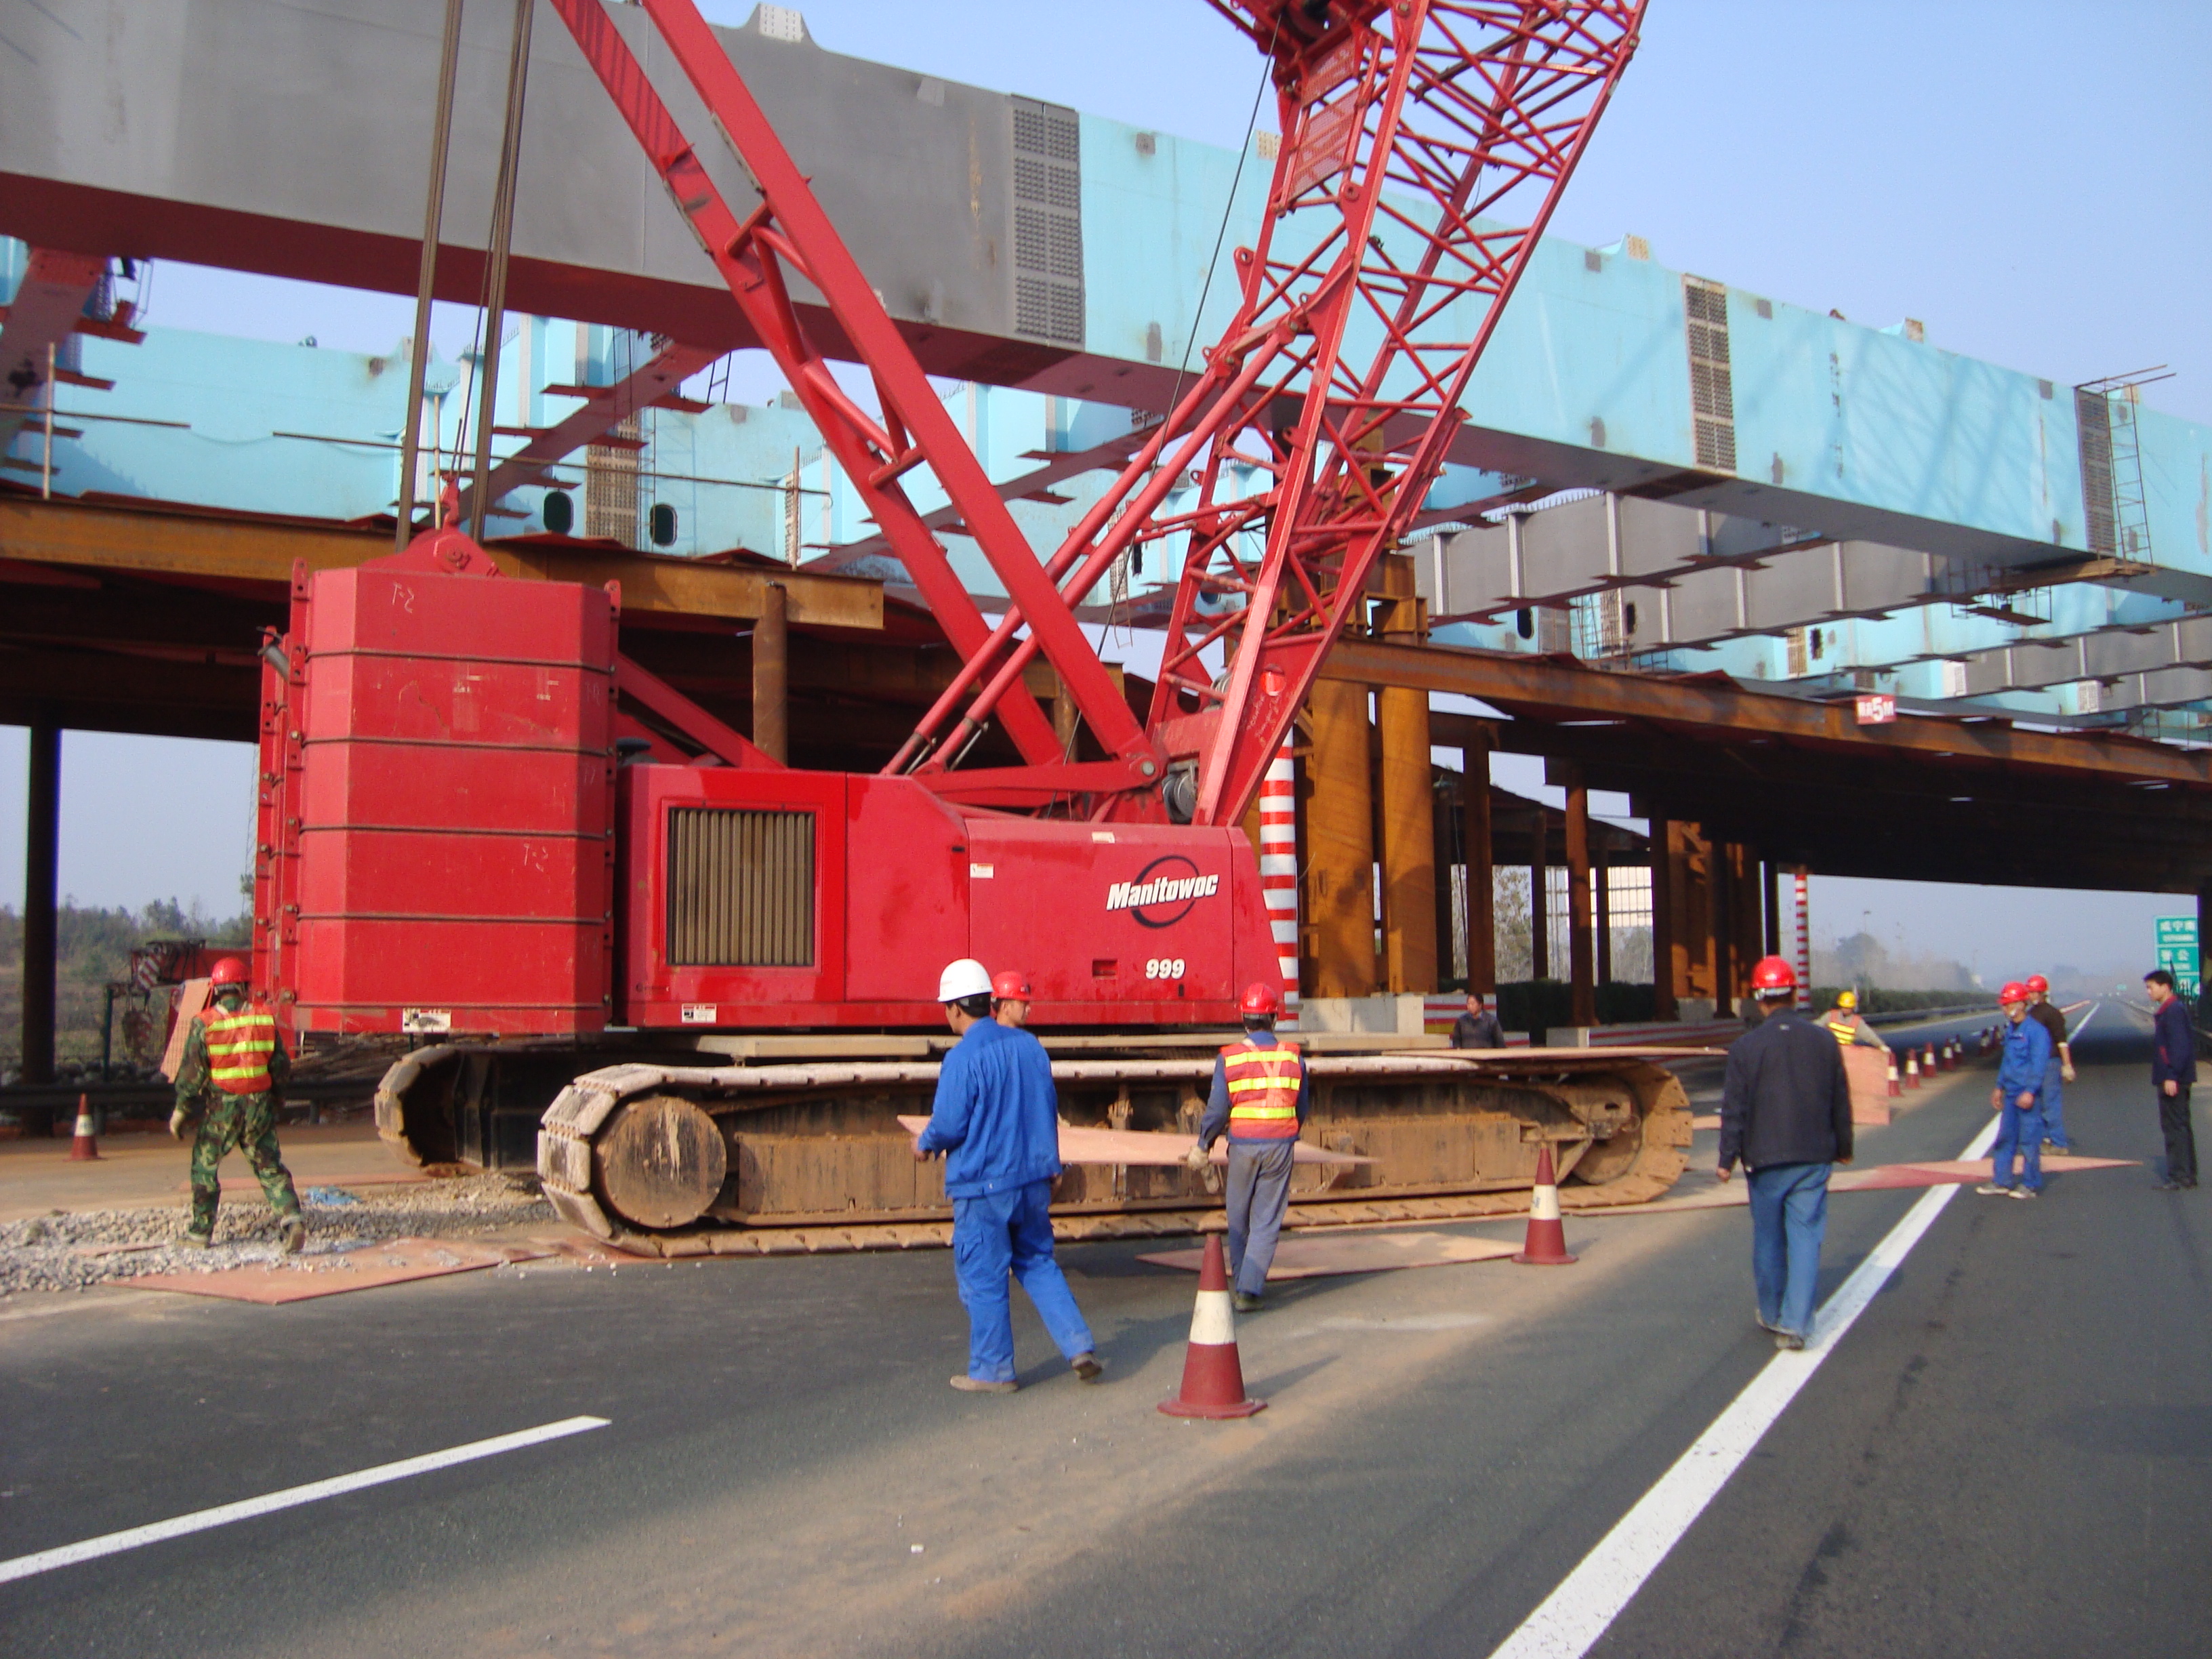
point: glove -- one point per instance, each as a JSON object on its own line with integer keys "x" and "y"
{"x": 1196, "y": 1158}
{"x": 179, "y": 1120}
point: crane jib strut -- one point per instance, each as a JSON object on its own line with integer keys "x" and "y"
{"x": 1423, "y": 146}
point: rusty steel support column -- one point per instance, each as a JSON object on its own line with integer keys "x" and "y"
{"x": 41, "y": 857}
{"x": 1601, "y": 918}
{"x": 1481, "y": 919}
{"x": 772, "y": 675}
{"x": 1579, "y": 963}
{"x": 1409, "y": 832}
{"x": 1663, "y": 1002}
{"x": 1539, "y": 887}
{"x": 1340, "y": 843}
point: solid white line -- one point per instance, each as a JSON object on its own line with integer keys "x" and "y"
{"x": 24, "y": 1566}
{"x": 2086, "y": 1018}
{"x": 1587, "y": 1602}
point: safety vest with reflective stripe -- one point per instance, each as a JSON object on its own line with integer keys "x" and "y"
{"x": 1263, "y": 1090}
{"x": 1846, "y": 1030}
{"x": 238, "y": 1046}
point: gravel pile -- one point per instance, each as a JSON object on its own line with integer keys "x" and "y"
{"x": 93, "y": 1247}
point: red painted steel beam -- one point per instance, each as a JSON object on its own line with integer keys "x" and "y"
{"x": 44, "y": 312}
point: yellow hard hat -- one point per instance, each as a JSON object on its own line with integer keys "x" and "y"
{"x": 1847, "y": 999}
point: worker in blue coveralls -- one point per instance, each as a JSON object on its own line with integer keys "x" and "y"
{"x": 1260, "y": 1098}
{"x": 996, "y": 1117}
{"x": 2021, "y": 1063}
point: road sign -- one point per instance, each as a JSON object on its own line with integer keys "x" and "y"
{"x": 2178, "y": 953}
{"x": 1877, "y": 710}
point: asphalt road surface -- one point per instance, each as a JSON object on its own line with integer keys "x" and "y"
{"x": 2010, "y": 1452}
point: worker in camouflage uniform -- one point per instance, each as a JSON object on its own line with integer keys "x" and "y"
{"x": 235, "y": 1062}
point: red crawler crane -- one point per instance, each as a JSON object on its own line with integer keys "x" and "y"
{"x": 754, "y": 896}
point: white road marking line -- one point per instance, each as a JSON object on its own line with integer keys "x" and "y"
{"x": 2086, "y": 1018}
{"x": 24, "y": 1566}
{"x": 1588, "y": 1600}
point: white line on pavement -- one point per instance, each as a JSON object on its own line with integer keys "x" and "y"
{"x": 2086, "y": 1018}
{"x": 1589, "y": 1600}
{"x": 24, "y": 1566}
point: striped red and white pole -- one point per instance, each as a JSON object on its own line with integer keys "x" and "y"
{"x": 1804, "y": 944}
{"x": 1212, "y": 1374}
{"x": 1546, "y": 1245}
{"x": 1278, "y": 865}
{"x": 84, "y": 1146}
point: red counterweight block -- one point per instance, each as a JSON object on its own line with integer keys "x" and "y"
{"x": 456, "y": 803}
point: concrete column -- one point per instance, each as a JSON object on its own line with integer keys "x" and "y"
{"x": 1663, "y": 981}
{"x": 772, "y": 677}
{"x": 1474, "y": 817}
{"x": 1601, "y": 920}
{"x": 1539, "y": 909}
{"x": 41, "y": 857}
{"x": 1341, "y": 844}
{"x": 1409, "y": 869}
{"x": 1579, "y": 955}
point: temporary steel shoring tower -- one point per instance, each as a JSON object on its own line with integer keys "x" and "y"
{"x": 1410, "y": 131}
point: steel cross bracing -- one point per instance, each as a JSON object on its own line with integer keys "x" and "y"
{"x": 1380, "y": 275}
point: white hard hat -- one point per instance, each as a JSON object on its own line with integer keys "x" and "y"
{"x": 964, "y": 978}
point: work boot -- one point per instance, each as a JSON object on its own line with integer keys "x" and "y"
{"x": 980, "y": 1385}
{"x": 1245, "y": 1301}
{"x": 1788, "y": 1341}
{"x": 196, "y": 1240}
{"x": 1088, "y": 1367}
{"x": 1993, "y": 1189}
{"x": 296, "y": 1235}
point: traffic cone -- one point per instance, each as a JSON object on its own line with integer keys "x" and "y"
{"x": 1546, "y": 1245}
{"x": 1895, "y": 1087}
{"x": 1212, "y": 1374}
{"x": 84, "y": 1148}
{"x": 1911, "y": 1070}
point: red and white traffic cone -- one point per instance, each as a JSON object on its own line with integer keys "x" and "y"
{"x": 1895, "y": 1087}
{"x": 84, "y": 1146}
{"x": 1212, "y": 1374}
{"x": 1927, "y": 1060}
{"x": 1911, "y": 1070}
{"x": 1546, "y": 1245}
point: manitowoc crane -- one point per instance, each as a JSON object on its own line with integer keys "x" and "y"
{"x": 481, "y": 821}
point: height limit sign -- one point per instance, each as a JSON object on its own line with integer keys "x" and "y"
{"x": 2177, "y": 952}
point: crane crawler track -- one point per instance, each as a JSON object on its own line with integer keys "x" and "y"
{"x": 803, "y": 1158}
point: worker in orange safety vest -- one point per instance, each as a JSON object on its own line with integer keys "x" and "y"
{"x": 235, "y": 1065}
{"x": 1260, "y": 1098}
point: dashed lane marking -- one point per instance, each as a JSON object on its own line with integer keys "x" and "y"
{"x": 24, "y": 1566}
{"x": 1572, "y": 1618}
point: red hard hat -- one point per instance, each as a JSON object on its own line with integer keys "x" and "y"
{"x": 2013, "y": 992}
{"x": 228, "y": 970}
{"x": 1012, "y": 983}
{"x": 1773, "y": 974}
{"x": 1262, "y": 998}
{"x": 2037, "y": 983}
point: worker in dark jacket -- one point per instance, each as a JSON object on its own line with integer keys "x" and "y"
{"x": 2060, "y": 1071}
{"x": 1478, "y": 1028}
{"x": 2172, "y": 1073}
{"x": 997, "y": 1116}
{"x": 2023, "y": 1062}
{"x": 1259, "y": 1096}
{"x": 1786, "y": 1116}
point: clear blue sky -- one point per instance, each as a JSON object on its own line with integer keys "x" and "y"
{"x": 2028, "y": 180}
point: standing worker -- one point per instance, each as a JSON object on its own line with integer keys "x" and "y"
{"x": 235, "y": 1065}
{"x": 1010, "y": 998}
{"x": 1260, "y": 1097}
{"x": 1847, "y": 1025}
{"x": 2060, "y": 1071}
{"x": 2172, "y": 1072}
{"x": 997, "y": 1115}
{"x": 1786, "y": 1114}
{"x": 2021, "y": 1065}
{"x": 1478, "y": 1027}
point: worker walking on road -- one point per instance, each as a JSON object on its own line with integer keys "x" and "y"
{"x": 2172, "y": 1073}
{"x": 1786, "y": 1115}
{"x": 1848, "y": 1026}
{"x": 997, "y": 1117}
{"x": 2060, "y": 1071}
{"x": 1260, "y": 1097}
{"x": 2021, "y": 1066}
{"x": 232, "y": 1080}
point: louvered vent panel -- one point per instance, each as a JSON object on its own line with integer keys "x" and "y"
{"x": 1047, "y": 261}
{"x": 740, "y": 888}
{"x": 1712, "y": 387}
{"x": 2093, "y": 416}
